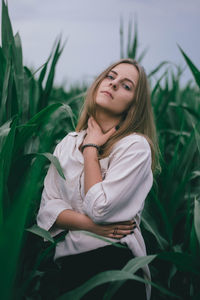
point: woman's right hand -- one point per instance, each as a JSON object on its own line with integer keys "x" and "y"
{"x": 114, "y": 230}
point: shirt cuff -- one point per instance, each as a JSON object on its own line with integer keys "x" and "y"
{"x": 94, "y": 211}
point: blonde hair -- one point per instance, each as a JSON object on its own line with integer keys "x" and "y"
{"x": 137, "y": 118}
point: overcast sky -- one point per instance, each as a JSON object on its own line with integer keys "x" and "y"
{"x": 91, "y": 28}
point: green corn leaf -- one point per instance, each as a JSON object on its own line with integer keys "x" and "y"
{"x": 6, "y": 152}
{"x": 41, "y": 232}
{"x": 43, "y": 71}
{"x": 49, "y": 83}
{"x": 4, "y": 131}
{"x": 116, "y": 244}
{"x": 161, "y": 215}
{"x": 33, "y": 124}
{"x": 151, "y": 226}
{"x": 183, "y": 261}
{"x": 191, "y": 110}
{"x": 13, "y": 52}
{"x": 53, "y": 159}
{"x": 6, "y": 31}
{"x": 5, "y": 89}
{"x": 154, "y": 71}
{"x": 121, "y": 31}
{"x": 138, "y": 262}
{"x": 161, "y": 100}
{"x": 132, "y": 266}
{"x": 14, "y": 226}
{"x": 193, "y": 245}
{"x": 69, "y": 112}
{"x": 18, "y": 71}
{"x": 197, "y": 218}
{"x": 195, "y": 174}
{"x": 109, "y": 276}
{"x": 5, "y": 163}
{"x": 2, "y": 71}
{"x": 193, "y": 68}
{"x": 132, "y": 49}
{"x": 172, "y": 273}
{"x": 175, "y": 132}
{"x": 142, "y": 55}
{"x": 186, "y": 156}
{"x": 76, "y": 97}
{"x": 31, "y": 92}
{"x": 197, "y": 135}
{"x": 129, "y": 36}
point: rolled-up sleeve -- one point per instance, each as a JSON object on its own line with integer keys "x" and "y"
{"x": 121, "y": 195}
{"x": 52, "y": 203}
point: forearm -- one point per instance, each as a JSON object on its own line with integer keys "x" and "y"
{"x": 72, "y": 220}
{"x": 92, "y": 170}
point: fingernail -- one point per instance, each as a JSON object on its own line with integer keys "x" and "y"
{"x": 117, "y": 127}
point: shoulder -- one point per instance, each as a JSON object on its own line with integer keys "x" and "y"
{"x": 71, "y": 136}
{"x": 131, "y": 151}
{"x": 65, "y": 139}
{"x": 69, "y": 140}
{"x": 132, "y": 141}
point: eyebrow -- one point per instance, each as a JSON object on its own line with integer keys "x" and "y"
{"x": 124, "y": 78}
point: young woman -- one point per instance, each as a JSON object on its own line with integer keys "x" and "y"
{"x": 108, "y": 165}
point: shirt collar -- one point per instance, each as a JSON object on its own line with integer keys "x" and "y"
{"x": 79, "y": 140}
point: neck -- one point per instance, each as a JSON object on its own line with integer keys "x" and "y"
{"x": 106, "y": 122}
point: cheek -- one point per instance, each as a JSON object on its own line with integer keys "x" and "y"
{"x": 127, "y": 100}
{"x": 126, "y": 104}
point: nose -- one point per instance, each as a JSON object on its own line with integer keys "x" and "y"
{"x": 113, "y": 83}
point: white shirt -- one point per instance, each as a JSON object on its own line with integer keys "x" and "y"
{"x": 127, "y": 179}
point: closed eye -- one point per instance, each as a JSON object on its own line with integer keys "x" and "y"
{"x": 126, "y": 87}
{"x": 110, "y": 76}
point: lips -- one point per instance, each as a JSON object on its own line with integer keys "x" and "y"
{"x": 108, "y": 93}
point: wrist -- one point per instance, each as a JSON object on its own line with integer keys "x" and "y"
{"x": 90, "y": 154}
{"x": 88, "y": 224}
{"x": 90, "y": 150}
{"x": 90, "y": 146}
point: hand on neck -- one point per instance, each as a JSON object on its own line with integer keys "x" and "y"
{"x": 107, "y": 122}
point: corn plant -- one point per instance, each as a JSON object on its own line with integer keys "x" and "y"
{"x": 35, "y": 115}
{"x": 26, "y": 133}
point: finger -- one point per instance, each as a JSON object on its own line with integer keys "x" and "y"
{"x": 125, "y": 232}
{"x": 126, "y": 227}
{"x": 90, "y": 122}
{"x": 115, "y": 236}
{"x": 126, "y": 222}
{"x": 94, "y": 123}
{"x": 122, "y": 226}
{"x": 110, "y": 132}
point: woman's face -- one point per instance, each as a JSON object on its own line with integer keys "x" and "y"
{"x": 116, "y": 91}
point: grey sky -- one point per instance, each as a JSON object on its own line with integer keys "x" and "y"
{"x": 92, "y": 30}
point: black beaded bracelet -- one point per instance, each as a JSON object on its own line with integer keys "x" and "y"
{"x": 89, "y": 145}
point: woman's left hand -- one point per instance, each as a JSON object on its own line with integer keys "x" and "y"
{"x": 95, "y": 134}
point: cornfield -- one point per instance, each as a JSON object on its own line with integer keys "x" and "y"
{"x": 35, "y": 116}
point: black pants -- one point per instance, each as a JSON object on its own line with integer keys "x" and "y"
{"x": 77, "y": 269}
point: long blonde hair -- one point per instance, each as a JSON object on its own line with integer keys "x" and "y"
{"x": 138, "y": 118}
